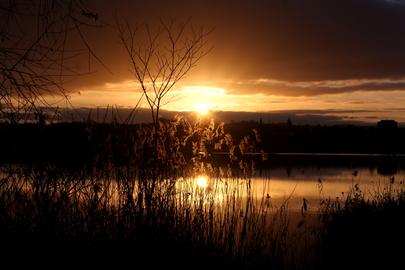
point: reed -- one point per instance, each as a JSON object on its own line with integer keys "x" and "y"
{"x": 364, "y": 230}
{"x": 174, "y": 218}
{"x": 130, "y": 202}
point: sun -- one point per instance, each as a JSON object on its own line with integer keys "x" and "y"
{"x": 202, "y": 181}
{"x": 201, "y": 108}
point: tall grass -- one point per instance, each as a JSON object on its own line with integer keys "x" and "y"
{"x": 364, "y": 230}
{"x": 139, "y": 204}
{"x": 226, "y": 225}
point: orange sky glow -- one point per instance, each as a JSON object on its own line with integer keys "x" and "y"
{"x": 203, "y": 98}
{"x": 266, "y": 56}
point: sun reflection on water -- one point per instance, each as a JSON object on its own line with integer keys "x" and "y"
{"x": 202, "y": 181}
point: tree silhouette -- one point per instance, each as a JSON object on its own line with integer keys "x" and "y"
{"x": 160, "y": 57}
{"x": 35, "y": 57}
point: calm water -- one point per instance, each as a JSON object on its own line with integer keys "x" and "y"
{"x": 270, "y": 185}
{"x": 281, "y": 185}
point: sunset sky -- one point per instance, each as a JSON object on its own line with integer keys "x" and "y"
{"x": 344, "y": 58}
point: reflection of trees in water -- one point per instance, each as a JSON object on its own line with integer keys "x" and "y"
{"x": 387, "y": 166}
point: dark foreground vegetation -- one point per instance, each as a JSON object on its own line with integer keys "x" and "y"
{"x": 119, "y": 196}
{"x": 360, "y": 233}
{"x": 111, "y": 217}
{"x": 97, "y": 194}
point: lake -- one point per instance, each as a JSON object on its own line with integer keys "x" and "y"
{"x": 291, "y": 178}
{"x": 282, "y": 179}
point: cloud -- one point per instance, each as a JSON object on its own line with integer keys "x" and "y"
{"x": 299, "y": 117}
{"x": 275, "y": 47}
{"x": 312, "y": 88}
{"x": 285, "y": 41}
{"x": 395, "y": 2}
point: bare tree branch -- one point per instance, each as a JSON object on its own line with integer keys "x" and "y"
{"x": 34, "y": 56}
{"x": 160, "y": 57}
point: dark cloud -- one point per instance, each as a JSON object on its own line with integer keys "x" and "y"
{"x": 286, "y": 88}
{"x": 299, "y": 117}
{"x": 396, "y": 109}
{"x": 284, "y": 40}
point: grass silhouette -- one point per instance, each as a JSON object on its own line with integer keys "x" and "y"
{"x": 128, "y": 205}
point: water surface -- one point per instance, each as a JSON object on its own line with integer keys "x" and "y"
{"x": 285, "y": 185}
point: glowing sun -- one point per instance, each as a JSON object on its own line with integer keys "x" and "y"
{"x": 201, "y": 108}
